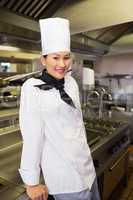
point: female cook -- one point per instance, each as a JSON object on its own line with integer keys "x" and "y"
{"x": 51, "y": 123}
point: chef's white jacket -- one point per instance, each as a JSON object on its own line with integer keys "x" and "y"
{"x": 54, "y": 139}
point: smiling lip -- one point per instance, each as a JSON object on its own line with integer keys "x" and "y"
{"x": 60, "y": 70}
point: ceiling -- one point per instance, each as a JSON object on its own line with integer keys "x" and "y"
{"x": 101, "y": 28}
{"x": 118, "y": 37}
{"x": 111, "y": 34}
{"x": 32, "y": 9}
{"x": 88, "y": 15}
{"x": 105, "y": 22}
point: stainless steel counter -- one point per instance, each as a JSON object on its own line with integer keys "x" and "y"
{"x": 8, "y": 117}
{"x": 8, "y": 112}
{"x": 110, "y": 155}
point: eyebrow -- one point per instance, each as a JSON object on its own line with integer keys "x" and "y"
{"x": 56, "y": 54}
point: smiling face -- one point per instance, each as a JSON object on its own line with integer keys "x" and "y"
{"x": 57, "y": 64}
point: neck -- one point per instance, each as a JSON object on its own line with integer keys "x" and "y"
{"x": 46, "y": 72}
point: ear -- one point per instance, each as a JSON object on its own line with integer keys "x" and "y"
{"x": 43, "y": 60}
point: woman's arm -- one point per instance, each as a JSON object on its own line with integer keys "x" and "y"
{"x": 32, "y": 130}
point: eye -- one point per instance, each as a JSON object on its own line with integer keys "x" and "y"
{"x": 55, "y": 58}
{"x": 67, "y": 57}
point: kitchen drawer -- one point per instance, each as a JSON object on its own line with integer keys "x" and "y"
{"x": 113, "y": 174}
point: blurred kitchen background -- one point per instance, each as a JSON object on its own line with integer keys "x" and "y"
{"x": 102, "y": 53}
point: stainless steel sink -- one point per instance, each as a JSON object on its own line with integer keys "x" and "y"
{"x": 97, "y": 129}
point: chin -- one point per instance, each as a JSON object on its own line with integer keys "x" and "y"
{"x": 59, "y": 76}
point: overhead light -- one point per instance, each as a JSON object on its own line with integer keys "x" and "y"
{"x": 8, "y": 48}
{"x": 128, "y": 76}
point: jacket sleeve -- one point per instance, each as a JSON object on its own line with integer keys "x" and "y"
{"x": 32, "y": 130}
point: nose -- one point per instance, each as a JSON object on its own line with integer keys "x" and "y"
{"x": 61, "y": 63}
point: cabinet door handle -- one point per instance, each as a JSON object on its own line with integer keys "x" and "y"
{"x": 117, "y": 162}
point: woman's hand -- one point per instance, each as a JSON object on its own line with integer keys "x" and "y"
{"x": 37, "y": 192}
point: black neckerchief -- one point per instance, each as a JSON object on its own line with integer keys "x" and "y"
{"x": 51, "y": 82}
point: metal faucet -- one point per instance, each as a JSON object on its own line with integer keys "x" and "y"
{"x": 93, "y": 92}
{"x": 103, "y": 92}
{"x": 109, "y": 96}
{"x": 100, "y": 96}
{"x": 87, "y": 105}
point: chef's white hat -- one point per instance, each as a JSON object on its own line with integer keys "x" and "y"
{"x": 55, "y": 35}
